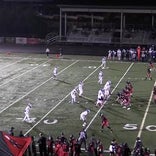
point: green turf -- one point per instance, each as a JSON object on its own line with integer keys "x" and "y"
{"x": 30, "y": 79}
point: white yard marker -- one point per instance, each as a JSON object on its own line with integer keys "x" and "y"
{"x": 108, "y": 97}
{"x": 35, "y": 89}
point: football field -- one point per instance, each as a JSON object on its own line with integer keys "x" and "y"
{"x": 28, "y": 78}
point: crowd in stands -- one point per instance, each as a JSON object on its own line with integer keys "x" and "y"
{"x": 143, "y": 54}
{"x": 80, "y": 146}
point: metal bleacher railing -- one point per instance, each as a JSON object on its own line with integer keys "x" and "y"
{"x": 51, "y": 38}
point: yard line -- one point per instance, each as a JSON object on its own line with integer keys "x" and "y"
{"x": 108, "y": 97}
{"x": 59, "y": 103}
{"x": 12, "y": 63}
{"x": 23, "y": 73}
{"x": 35, "y": 88}
{"x": 145, "y": 115}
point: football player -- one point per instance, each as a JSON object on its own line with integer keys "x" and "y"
{"x": 80, "y": 88}
{"x": 27, "y": 112}
{"x": 83, "y": 117}
{"x": 103, "y": 65}
{"x": 100, "y": 77}
{"x": 105, "y": 123}
{"x": 55, "y": 71}
{"x": 148, "y": 74}
{"x": 73, "y": 95}
{"x": 100, "y": 99}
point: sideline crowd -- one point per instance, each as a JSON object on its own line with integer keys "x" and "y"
{"x": 80, "y": 146}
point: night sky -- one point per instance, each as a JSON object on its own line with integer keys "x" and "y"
{"x": 92, "y": 2}
{"x": 21, "y": 15}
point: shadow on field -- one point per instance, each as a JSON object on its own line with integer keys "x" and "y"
{"x": 62, "y": 81}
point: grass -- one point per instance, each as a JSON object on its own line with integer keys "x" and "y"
{"x": 27, "y": 77}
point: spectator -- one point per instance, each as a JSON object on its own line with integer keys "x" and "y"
{"x": 11, "y": 131}
{"x": 112, "y": 148}
{"x": 77, "y": 148}
{"x": 63, "y": 138}
{"x": 57, "y": 147}
{"x": 21, "y": 134}
{"x": 42, "y": 145}
{"x": 65, "y": 148}
{"x": 33, "y": 147}
{"x": 72, "y": 141}
{"x": 83, "y": 138}
{"x": 50, "y": 143}
{"x": 90, "y": 149}
{"x": 138, "y": 149}
{"x": 100, "y": 148}
{"x": 126, "y": 150}
{"x": 147, "y": 152}
{"x": 93, "y": 141}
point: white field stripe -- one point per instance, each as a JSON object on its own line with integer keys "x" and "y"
{"x": 108, "y": 97}
{"x": 145, "y": 115}
{"x": 34, "y": 89}
{"x": 58, "y": 103}
{"x": 12, "y": 63}
{"x": 23, "y": 73}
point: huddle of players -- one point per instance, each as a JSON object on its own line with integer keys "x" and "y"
{"x": 124, "y": 97}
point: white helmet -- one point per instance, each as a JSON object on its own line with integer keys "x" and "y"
{"x": 88, "y": 110}
{"x": 109, "y": 82}
{"x": 29, "y": 105}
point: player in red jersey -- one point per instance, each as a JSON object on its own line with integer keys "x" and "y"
{"x": 151, "y": 65}
{"x": 105, "y": 123}
{"x": 129, "y": 87}
{"x": 148, "y": 75}
{"x": 126, "y": 102}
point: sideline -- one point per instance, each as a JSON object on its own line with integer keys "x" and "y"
{"x": 109, "y": 96}
{"x": 59, "y": 103}
{"x": 35, "y": 88}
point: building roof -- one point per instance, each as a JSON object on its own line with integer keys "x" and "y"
{"x": 116, "y": 9}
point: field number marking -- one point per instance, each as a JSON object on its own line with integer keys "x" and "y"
{"x": 132, "y": 127}
{"x": 50, "y": 122}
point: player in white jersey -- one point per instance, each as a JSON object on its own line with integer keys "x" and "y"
{"x": 103, "y": 65}
{"x": 109, "y": 55}
{"x": 100, "y": 77}
{"x": 107, "y": 88}
{"x": 80, "y": 88}
{"x": 27, "y": 112}
{"x": 73, "y": 95}
{"x": 55, "y": 71}
{"x": 83, "y": 116}
{"x": 106, "y": 92}
{"x": 119, "y": 54}
{"x": 108, "y": 83}
{"x": 100, "y": 98}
